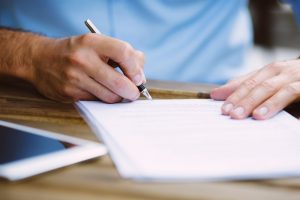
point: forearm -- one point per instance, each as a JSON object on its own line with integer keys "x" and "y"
{"x": 18, "y": 51}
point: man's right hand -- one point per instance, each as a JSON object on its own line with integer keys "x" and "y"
{"x": 74, "y": 68}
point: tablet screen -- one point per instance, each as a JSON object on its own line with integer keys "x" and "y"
{"x": 16, "y": 145}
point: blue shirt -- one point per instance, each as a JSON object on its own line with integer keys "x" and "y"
{"x": 195, "y": 41}
{"x": 296, "y": 7}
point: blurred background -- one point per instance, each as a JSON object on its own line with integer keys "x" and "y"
{"x": 276, "y": 34}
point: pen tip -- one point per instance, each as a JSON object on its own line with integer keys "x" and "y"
{"x": 146, "y": 94}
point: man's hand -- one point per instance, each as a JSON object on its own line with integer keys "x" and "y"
{"x": 73, "y": 68}
{"x": 76, "y": 68}
{"x": 262, "y": 93}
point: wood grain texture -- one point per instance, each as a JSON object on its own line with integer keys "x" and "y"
{"x": 98, "y": 179}
{"x": 176, "y": 90}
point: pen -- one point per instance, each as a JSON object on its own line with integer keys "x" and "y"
{"x": 94, "y": 29}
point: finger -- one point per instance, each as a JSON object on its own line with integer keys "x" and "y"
{"x": 222, "y": 92}
{"x": 245, "y": 88}
{"x": 115, "y": 81}
{"x": 279, "y": 101}
{"x": 258, "y": 95}
{"x": 130, "y": 61}
{"x": 99, "y": 91}
{"x": 104, "y": 74}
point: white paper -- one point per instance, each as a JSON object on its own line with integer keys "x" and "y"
{"x": 191, "y": 140}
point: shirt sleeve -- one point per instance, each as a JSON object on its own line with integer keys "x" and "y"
{"x": 296, "y": 8}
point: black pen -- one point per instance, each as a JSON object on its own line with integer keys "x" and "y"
{"x": 94, "y": 29}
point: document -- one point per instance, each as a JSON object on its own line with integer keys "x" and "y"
{"x": 183, "y": 140}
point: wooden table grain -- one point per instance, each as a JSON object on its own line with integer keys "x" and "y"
{"x": 98, "y": 179}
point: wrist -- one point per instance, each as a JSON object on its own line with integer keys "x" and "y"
{"x": 39, "y": 51}
{"x": 40, "y": 48}
{"x": 18, "y": 53}
{"x": 45, "y": 54}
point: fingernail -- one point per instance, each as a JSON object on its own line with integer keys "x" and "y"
{"x": 227, "y": 108}
{"x": 138, "y": 79}
{"x": 263, "y": 111}
{"x": 239, "y": 111}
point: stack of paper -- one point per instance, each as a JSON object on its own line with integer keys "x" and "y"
{"x": 190, "y": 139}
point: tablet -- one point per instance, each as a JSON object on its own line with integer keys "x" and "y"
{"x": 25, "y": 151}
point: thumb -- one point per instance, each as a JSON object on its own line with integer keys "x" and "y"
{"x": 222, "y": 92}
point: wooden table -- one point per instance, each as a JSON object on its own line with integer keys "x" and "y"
{"x": 98, "y": 179}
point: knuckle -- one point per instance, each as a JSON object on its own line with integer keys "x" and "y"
{"x": 234, "y": 98}
{"x": 250, "y": 101}
{"x": 237, "y": 96}
{"x": 86, "y": 39}
{"x": 249, "y": 84}
{"x": 141, "y": 55}
{"x": 127, "y": 51}
{"x": 268, "y": 85}
{"x": 127, "y": 47}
